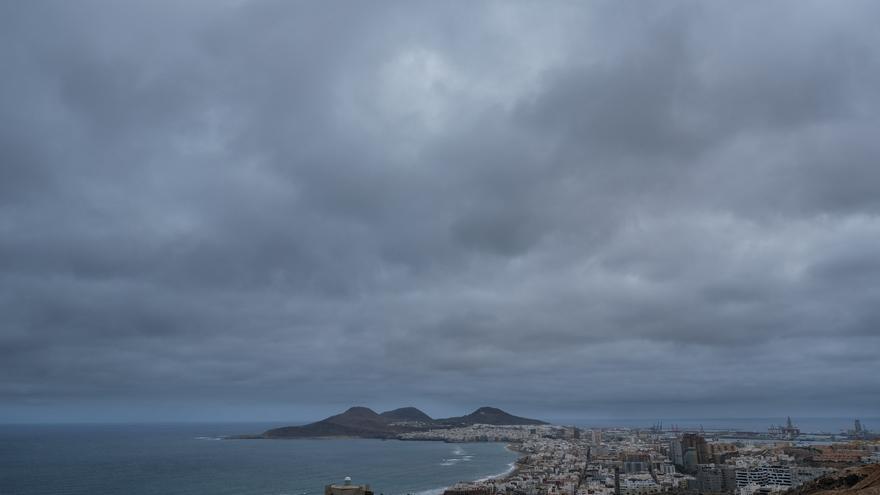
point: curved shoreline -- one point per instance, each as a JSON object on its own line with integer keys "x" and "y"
{"x": 511, "y": 470}
{"x": 514, "y": 466}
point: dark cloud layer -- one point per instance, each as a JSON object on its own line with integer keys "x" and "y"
{"x": 274, "y": 209}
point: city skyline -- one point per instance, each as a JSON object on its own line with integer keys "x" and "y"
{"x": 236, "y": 210}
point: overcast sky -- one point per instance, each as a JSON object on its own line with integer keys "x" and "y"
{"x": 274, "y": 210}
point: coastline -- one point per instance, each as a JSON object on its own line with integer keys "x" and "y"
{"x": 512, "y": 467}
{"x": 512, "y": 470}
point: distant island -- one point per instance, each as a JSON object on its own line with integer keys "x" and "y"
{"x": 363, "y": 422}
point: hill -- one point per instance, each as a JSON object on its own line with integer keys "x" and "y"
{"x": 860, "y": 480}
{"x": 490, "y": 416}
{"x": 355, "y": 422}
{"x": 363, "y": 422}
{"x": 408, "y": 414}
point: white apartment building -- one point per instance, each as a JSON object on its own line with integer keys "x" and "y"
{"x": 763, "y": 476}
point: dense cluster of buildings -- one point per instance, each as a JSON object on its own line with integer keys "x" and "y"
{"x": 570, "y": 461}
{"x": 485, "y": 433}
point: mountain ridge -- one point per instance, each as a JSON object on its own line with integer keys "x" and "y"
{"x": 488, "y": 415}
{"x": 363, "y": 422}
{"x": 407, "y": 414}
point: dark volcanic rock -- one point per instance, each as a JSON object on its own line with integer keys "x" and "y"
{"x": 410, "y": 414}
{"x": 355, "y": 422}
{"x": 490, "y": 416}
{"x": 363, "y": 422}
{"x": 860, "y": 480}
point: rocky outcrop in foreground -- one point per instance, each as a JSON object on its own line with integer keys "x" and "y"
{"x": 860, "y": 480}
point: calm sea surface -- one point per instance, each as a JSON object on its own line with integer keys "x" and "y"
{"x": 187, "y": 459}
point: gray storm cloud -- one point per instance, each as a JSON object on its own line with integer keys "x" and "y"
{"x": 570, "y": 209}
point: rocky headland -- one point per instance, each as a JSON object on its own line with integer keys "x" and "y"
{"x": 859, "y": 480}
{"x": 363, "y": 422}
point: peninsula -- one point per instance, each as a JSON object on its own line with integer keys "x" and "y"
{"x": 363, "y": 422}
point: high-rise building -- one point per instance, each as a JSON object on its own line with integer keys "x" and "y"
{"x": 635, "y": 462}
{"x": 675, "y": 453}
{"x": 777, "y": 475}
{"x": 616, "y": 480}
{"x": 693, "y": 451}
{"x": 715, "y": 478}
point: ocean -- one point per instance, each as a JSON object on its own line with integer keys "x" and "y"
{"x": 190, "y": 459}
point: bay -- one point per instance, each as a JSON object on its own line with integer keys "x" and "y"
{"x": 191, "y": 459}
